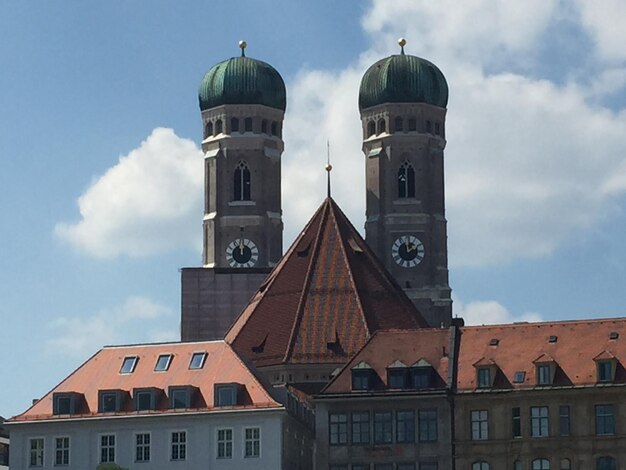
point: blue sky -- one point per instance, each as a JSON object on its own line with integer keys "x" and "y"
{"x": 100, "y": 186}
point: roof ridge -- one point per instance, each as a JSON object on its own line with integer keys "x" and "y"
{"x": 543, "y": 323}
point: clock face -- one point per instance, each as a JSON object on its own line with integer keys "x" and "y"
{"x": 242, "y": 253}
{"x": 408, "y": 251}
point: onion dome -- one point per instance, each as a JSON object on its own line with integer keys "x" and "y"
{"x": 403, "y": 78}
{"x": 242, "y": 80}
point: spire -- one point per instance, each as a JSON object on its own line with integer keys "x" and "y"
{"x": 242, "y": 46}
{"x": 402, "y": 43}
{"x": 328, "y": 167}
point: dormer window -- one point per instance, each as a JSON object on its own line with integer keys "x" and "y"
{"x": 145, "y": 399}
{"x": 226, "y": 394}
{"x": 484, "y": 377}
{"x": 197, "y": 360}
{"x": 422, "y": 374}
{"x": 485, "y": 373}
{"x": 180, "y": 397}
{"x": 606, "y": 365}
{"x": 545, "y": 369}
{"x": 163, "y": 363}
{"x": 65, "y": 403}
{"x": 362, "y": 376}
{"x": 128, "y": 365}
{"x": 397, "y": 375}
{"x": 109, "y": 401}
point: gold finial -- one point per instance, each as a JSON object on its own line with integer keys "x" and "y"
{"x": 402, "y": 43}
{"x": 242, "y": 46}
{"x": 328, "y": 167}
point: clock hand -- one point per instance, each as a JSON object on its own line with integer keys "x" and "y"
{"x": 241, "y": 246}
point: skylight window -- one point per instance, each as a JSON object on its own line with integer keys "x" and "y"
{"x": 197, "y": 360}
{"x": 128, "y": 365}
{"x": 519, "y": 377}
{"x": 163, "y": 363}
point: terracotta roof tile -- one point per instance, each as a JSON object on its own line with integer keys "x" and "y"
{"x": 522, "y": 346}
{"x": 102, "y": 372}
{"x": 323, "y": 300}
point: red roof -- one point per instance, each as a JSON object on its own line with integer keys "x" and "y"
{"x": 102, "y": 372}
{"x": 390, "y": 348}
{"x": 573, "y": 346}
{"x": 324, "y": 299}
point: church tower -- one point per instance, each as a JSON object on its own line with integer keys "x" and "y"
{"x": 402, "y": 100}
{"x": 242, "y": 103}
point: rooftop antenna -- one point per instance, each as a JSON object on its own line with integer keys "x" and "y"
{"x": 328, "y": 167}
{"x": 242, "y": 46}
{"x": 402, "y": 43}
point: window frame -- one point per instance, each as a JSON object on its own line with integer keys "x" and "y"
{"x": 133, "y": 364}
{"x": 141, "y": 447}
{"x": 541, "y": 462}
{"x": 338, "y": 429}
{"x": 408, "y": 434}
{"x": 110, "y": 447}
{"x": 184, "y": 446}
{"x": 565, "y": 420}
{"x": 605, "y": 418}
{"x": 225, "y": 444}
{"x": 383, "y": 428}
{"x": 611, "y": 462}
{"x": 483, "y": 377}
{"x": 174, "y": 390}
{"x": 203, "y": 355}
{"x": 516, "y": 422}
{"x": 232, "y": 390}
{"x": 252, "y": 441}
{"x": 601, "y": 371}
{"x": 539, "y": 424}
{"x": 406, "y": 180}
{"x": 40, "y": 452}
{"x": 544, "y": 374}
{"x": 242, "y": 182}
{"x": 427, "y": 422}
{"x": 144, "y": 391}
{"x": 66, "y": 451}
{"x": 360, "y": 428}
{"x": 479, "y": 425}
{"x": 164, "y": 367}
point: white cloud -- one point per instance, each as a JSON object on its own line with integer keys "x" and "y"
{"x": 604, "y": 21}
{"x": 149, "y": 202}
{"x": 138, "y": 319}
{"x": 490, "y": 312}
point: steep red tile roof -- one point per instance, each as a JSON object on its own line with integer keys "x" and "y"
{"x": 102, "y": 372}
{"x": 407, "y": 346}
{"x": 575, "y": 347}
{"x": 323, "y": 300}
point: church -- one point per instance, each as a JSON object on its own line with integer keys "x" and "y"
{"x": 340, "y": 353}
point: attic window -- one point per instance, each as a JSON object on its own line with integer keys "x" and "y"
{"x": 64, "y": 403}
{"x": 552, "y": 339}
{"x": 519, "y": 377}
{"x": 144, "y": 399}
{"x": 362, "y": 375}
{"x": 484, "y": 377}
{"x": 225, "y": 394}
{"x": 180, "y": 397}
{"x": 197, "y": 360}
{"x": 544, "y": 374}
{"x": 494, "y": 342}
{"x": 163, "y": 363}
{"x": 109, "y": 401}
{"x": 613, "y": 335}
{"x": 397, "y": 375}
{"x": 128, "y": 365}
{"x": 606, "y": 370}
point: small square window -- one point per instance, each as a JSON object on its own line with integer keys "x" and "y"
{"x": 197, "y": 360}
{"x": 109, "y": 402}
{"x": 163, "y": 363}
{"x": 519, "y": 377}
{"x": 128, "y": 365}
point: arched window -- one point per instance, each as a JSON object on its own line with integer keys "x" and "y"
{"x": 382, "y": 126}
{"x": 218, "y": 126}
{"x": 242, "y": 182}
{"x": 274, "y": 128}
{"x": 517, "y": 465}
{"x": 234, "y": 125}
{"x": 429, "y": 127}
{"x": 605, "y": 463}
{"x": 480, "y": 466}
{"x": 566, "y": 464}
{"x": 208, "y": 129}
{"x": 371, "y": 128}
{"x": 264, "y": 126}
{"x": 541, "y": 464}
{"x": 399, "y": 125}
{"x": 248, "y": 125}
{"x": 412, "y": 124}
{"x": 406, "y": 180}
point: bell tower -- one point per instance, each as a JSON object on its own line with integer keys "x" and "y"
{"x": 242, "y": 103}
{"x": 402, "y": 100}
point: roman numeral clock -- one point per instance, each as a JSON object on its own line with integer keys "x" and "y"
{"x": 408, "y": 251}
{"x": 242, "y": 253}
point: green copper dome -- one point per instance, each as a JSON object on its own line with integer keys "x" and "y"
{"x": 241, "y": 80}
{"x": 403, "y": 79}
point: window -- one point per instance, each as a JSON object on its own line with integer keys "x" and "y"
{"x": 541, "y": 464}
{"x": 36, "y": 448}
{"x": 361, "y": 377}
{"x": 180, "y": 397}
{"x": 396, "y": 378}
{"x": 382, "y": 427}
{"x": 109, "y": 402}
{"x": 208, "y": 129}
{"x": 107, "y": 448}
{"x": 605, "y": 420}
{"x": 338, "y": 429}
{"x": 412, "y": 124}
{"x": 539, "y": 421}
{"x": 427, "y": 420}
{"x": 422, "y": 377}
{"x": 480, "y": 466}
{"x": 405, "y": 426}
{"x": 566, "y": 464}
{"x": 383, "y": 466}
{"x": 218, "y": 126}
{"x": 429, "y": 127}
{"x": 484, "y": 377}
{"x": 519, "y": 377}
{"x": 428, "y": 466}
{"x": 179, "y": 445}
{"x": 264, "y": 126}
{"x": 142, "y": 447}
{"x": 274, "y": 128}
{"x": 605, "y": 463}
{"x": 61, "y": 451}
{"x": 437, "y": 128}
{"x": 144, "y": 399}
{"x": 64, "y": 403}
{"x": 480, "y": 425}
{"x": 197, "y": 360}
{"x": 248, "y": 124}
{"x": 406, "y": 466}
{"x": 225, "y": 395}
{"x": 517, "y": 422}
{"x": 398, "y": 127}
{"x": 234, "y": 125}
{"x": 361, "y": 427}
{"x": 382, "y": 126}
{"x": 564, "y": 420}
{"x": 517, "y": 465}
{"x": 406, "y": 180}
{"x": 339, "y": 467}
{"x": 544, "y": 377}
{"x": 371, "y": 128}
{"x": 224, "y": 443}
{"x": 252, "y": 442}
{"x": 163, "y": 363}
{"x": 128, "y": 365}
{"x": 242, "y": 182}
{"x": 605, "y": 371}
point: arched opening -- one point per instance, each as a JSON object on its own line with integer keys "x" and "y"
{"x": 541, "y": 464}
{"x": 482, "y": 465}
{"x": 208, "y": 129}
{"x": 429, "y": 127}
{"x": 399, "y": 125}
{"x": 412, "y": 124}
{"x": 241, "y": 182}
{"x": 264, "y": 126}
{"x": 406, "y": 180}
{"x": 566, "y": 464}
{"x": 371, "y": 128}
{"x": 234, "y": 125}
{"x": 605, "y": 463}
{"x": 247, "y": 124}
{"x": 382, "y": 126}
{"x": 218, "y": 127}
{"x": 274, "y": 128}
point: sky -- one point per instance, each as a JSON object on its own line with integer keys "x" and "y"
{"x": 101, "y": 177}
